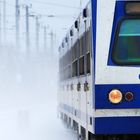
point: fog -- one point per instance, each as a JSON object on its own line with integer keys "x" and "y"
{"x": 28, "y": 96}
{"x": 29, "y": 77}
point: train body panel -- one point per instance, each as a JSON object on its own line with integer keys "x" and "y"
{"x": 106, "y": 32}
{"x": 109, "y": 76}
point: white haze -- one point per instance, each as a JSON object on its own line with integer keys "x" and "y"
{"x": 28, "y": 82}
{"x": 28, "y": 101}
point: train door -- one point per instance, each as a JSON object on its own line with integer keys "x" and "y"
{"x": 77, "y": 26}
{"x": 71, "y": 72}
{"x": 84, "y": 78}
{"x": 76, "y": 80}
{"x": 83, "y": 107}
{"x": 87, "y": 71}
{"x": 70, "y": 80}
{"x": 88, "y": 81}
{"x": 68, "y": 77}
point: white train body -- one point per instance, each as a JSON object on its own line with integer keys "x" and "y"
{"x": 88, "y": 77}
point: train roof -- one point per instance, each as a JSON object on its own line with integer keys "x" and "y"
{"x": 73, "y": 29}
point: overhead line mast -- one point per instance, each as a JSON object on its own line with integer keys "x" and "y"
{"x": 37, "y": 33}
{"x": 27, "y": 28}
{"x": 17, "y": 16}
{"x": 4, "y": 20}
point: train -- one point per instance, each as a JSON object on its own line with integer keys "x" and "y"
{"x": 99, "y": 71}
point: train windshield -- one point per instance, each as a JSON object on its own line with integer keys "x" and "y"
{"x": 127, "y": 45}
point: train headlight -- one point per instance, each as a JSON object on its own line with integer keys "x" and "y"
{"x": 115, "y": 96}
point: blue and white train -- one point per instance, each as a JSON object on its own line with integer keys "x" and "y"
{"x": 99, "y": 66}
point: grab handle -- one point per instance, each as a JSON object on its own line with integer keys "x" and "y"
{"x": 78, "y": 87}
{"x": 86, "y": 86}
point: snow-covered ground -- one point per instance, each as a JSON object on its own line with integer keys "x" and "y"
{"x": 28, "y": 98}
{"x": 36, "y": 123}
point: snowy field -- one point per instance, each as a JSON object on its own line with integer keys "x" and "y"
{"x": 33, "y": 124}
{"x": 28, "y": 98}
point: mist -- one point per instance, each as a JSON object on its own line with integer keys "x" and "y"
{"x": 28, "y": 96}
{"x": 29, "y": 72}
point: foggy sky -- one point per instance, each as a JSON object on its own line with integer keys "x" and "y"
{"x": 64, "y": 12}
{"x": 28, "y": 85}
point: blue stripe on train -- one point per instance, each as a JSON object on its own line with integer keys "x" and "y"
{"x": 94, "y": 24}
{"x": 117, "y": 125}
{"x": 102, "y": 91}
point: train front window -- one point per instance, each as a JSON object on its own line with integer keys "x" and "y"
{"x": 127, "y": 46}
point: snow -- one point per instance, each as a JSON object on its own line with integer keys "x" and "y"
{"x": 28, "y": 98}
{"x": 36, "y": 123}
{"x": 28, "y": 83}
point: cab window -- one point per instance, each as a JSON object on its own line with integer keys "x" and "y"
{"x": 127, "y": 45}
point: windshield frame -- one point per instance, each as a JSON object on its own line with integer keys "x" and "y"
{"x": 116, "y": 41}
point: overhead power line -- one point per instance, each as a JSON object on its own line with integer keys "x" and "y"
{"x": 49, "y": 16}
{"x": 7, "y": 3}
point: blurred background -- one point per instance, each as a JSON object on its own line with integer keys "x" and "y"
{"x": 30, "y": 34}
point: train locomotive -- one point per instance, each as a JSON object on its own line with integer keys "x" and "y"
{"x": 99, "y": 71}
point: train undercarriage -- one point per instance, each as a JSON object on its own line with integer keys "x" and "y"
{"x": 82, "y": 134}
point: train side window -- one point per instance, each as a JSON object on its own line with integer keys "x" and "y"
{"x": 74, "y": 60}
{"x": 72, "y": 53}
{"x": 74, "y": 69}
{"x": 64, "y": 61}
{"x": 88, "y": 63}
{"x": 60, "y": 69}
{"x": 69, "y": 58}
{"x": 84, "y": 43}
{"x": 126, "y": 49}
{"x": 88, "y": 53}
{"x": 81, "y": 64}
{"x": 81, "y": 58}
{"x": 64, "y": 71}
{"x": 81, "y": 46}
{"x": 66, "y": 76}
{"x": 68, "y": 72}
{"x": 69, "y": 64}
{"x": 88, "y": 40}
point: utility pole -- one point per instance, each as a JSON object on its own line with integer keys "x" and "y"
{"x": 80, "y": 4}
{"x": 45, "y": 39}
{"x": 37, "y": 33}
{"x": 27, "y": 28}
{"x": 52, "y": 43}
{"x": 0, "y": 26}
{"x": 17, "y": 22}
{"x": 4, "y": 20}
